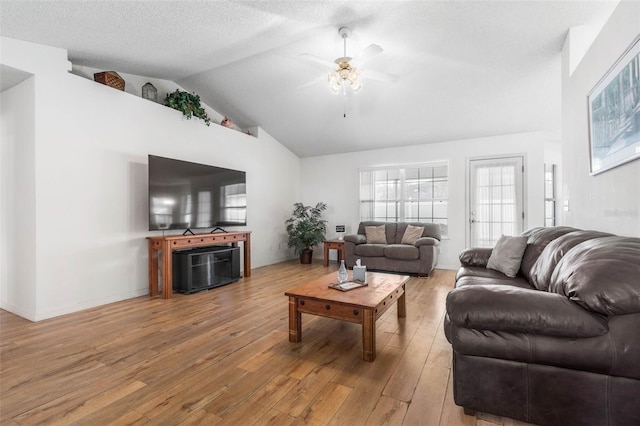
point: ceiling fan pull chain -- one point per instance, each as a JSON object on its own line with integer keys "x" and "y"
{"x": 344, "y": 104}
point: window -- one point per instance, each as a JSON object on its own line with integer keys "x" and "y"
{"x": 550, "y": 195}
{"x": 406, "y": 194}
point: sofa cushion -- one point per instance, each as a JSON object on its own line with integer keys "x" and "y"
{"x": 389, "y": 229}
{"x": 375, "y": 234}
{"x": 538, "y": 240}
{"x": 554, "y": 251}
{"x": 411, "y": 234}
{"x": 498, "y": 279}
{"x": 430, "y": 230}
{"x": 401, "y": 251}
{"x": 516, "y": 310}
{"x": 602, "y": 274}
{"x": 369, "y": 250}
{"x": 507, "y": 255}
{"x": 613, "y": 353}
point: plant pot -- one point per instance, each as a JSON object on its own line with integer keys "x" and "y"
{"x": 306, "y": 256}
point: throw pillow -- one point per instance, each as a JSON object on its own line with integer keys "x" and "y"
{"x": 507, "y": 255}
{"x": 375, "y": 234}
{"x": 411, "y": 234}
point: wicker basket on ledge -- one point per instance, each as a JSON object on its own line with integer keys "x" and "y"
{"x": 109, "y": 78}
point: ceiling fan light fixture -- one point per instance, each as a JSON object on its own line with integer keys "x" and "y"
{"x": 344, "y": 74}
{"x": 356, "y": 86}
{"x": 335, "y": 82}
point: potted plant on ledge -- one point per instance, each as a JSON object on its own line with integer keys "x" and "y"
{"x": 306, "y": 229}
{"x": 188, "y": 103}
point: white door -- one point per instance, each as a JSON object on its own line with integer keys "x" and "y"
{"x": 495, "y": 199}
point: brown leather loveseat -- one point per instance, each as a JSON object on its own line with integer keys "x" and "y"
{"x": 557, "y": 344}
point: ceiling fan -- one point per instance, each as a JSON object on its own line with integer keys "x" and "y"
{"x": 346, "y": 72}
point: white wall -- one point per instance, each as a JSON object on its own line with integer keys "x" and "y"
{"x": 17, "y": 199}
{"x": 609, "y": 201}
{"x": 90, "y": 175}
{"x": 334, "y": 179}
{"x": 133, "y": 85}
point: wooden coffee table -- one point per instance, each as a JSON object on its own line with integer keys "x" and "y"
{"x": 362, "y": 305}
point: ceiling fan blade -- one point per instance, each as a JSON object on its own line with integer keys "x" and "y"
{"x": 314, "y": 58}
{"x": 380, "y": 76}
{"x": 368, "y": 53}
{"x": 321, "y": 79}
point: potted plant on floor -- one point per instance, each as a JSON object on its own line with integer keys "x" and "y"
{"x": 306, "y": 229}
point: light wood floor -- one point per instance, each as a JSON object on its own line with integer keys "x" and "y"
{"x": 223, "y": 357}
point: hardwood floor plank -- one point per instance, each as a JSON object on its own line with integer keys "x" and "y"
{"x": 298, "y": 398}
{"x": 198, "y": 418}
{"x": 451, "y": 413}
{"x": 403, "y": 380}
{"x": 388, "y": 411}
{"x": 368, "y": 389}
{"x": 441, "y": 353}
{"x": 275, "y": 418}
{"x": 261, "y": 402}
{"x": 65, "y": 410}
{"x": 223, "y": 357}
{"x": 428, "y": 399}
{"x": 324, "y": 406}
{"x": 187, "y": 396}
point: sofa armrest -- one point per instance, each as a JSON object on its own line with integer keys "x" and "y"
{"x": 511, "y": 309}
{"x": 356, "y": 238}
{"x": 426, "y": 241}
{"x": 475, "y": 256}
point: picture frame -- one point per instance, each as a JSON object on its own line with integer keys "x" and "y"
{"x": 614, "y": 114}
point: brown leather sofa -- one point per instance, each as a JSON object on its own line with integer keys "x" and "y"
{"x": 419, "y": 258}
{"x": 559, "y": 344}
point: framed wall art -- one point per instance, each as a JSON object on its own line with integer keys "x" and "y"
{"x": 614, "y": 113}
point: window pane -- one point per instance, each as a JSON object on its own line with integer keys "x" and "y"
{"x": 440, "y": 172}
{"x": 549, "y": 194}
{"x": 440, "y": 209}
{"x": 411, "y": 210}
{"x": 441, "y": 190}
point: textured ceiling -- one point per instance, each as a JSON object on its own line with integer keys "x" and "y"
{"x": 466, "y": 68}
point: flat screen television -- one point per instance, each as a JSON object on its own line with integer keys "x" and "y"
{"x": 185, "y": 195}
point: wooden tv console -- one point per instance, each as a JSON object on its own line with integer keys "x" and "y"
{"x": 167, "y": 244}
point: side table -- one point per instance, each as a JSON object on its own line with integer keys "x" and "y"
{"x": 337, "y": 245}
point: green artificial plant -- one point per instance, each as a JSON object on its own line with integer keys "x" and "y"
{"x": 188, "y": 103}
{"x": 305, "y": 227}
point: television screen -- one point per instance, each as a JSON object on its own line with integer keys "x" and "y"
{"x": 184, "y": 195}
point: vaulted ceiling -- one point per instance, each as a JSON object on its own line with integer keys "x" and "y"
{"x": 465, "y": 69}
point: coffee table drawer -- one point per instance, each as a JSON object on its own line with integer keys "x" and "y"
{"x": 330, "y": 310}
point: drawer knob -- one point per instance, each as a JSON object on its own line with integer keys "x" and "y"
{"x": 302, "y": 302}
{"x": 327, "y": 307}
{"x": 355, "y": 312}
